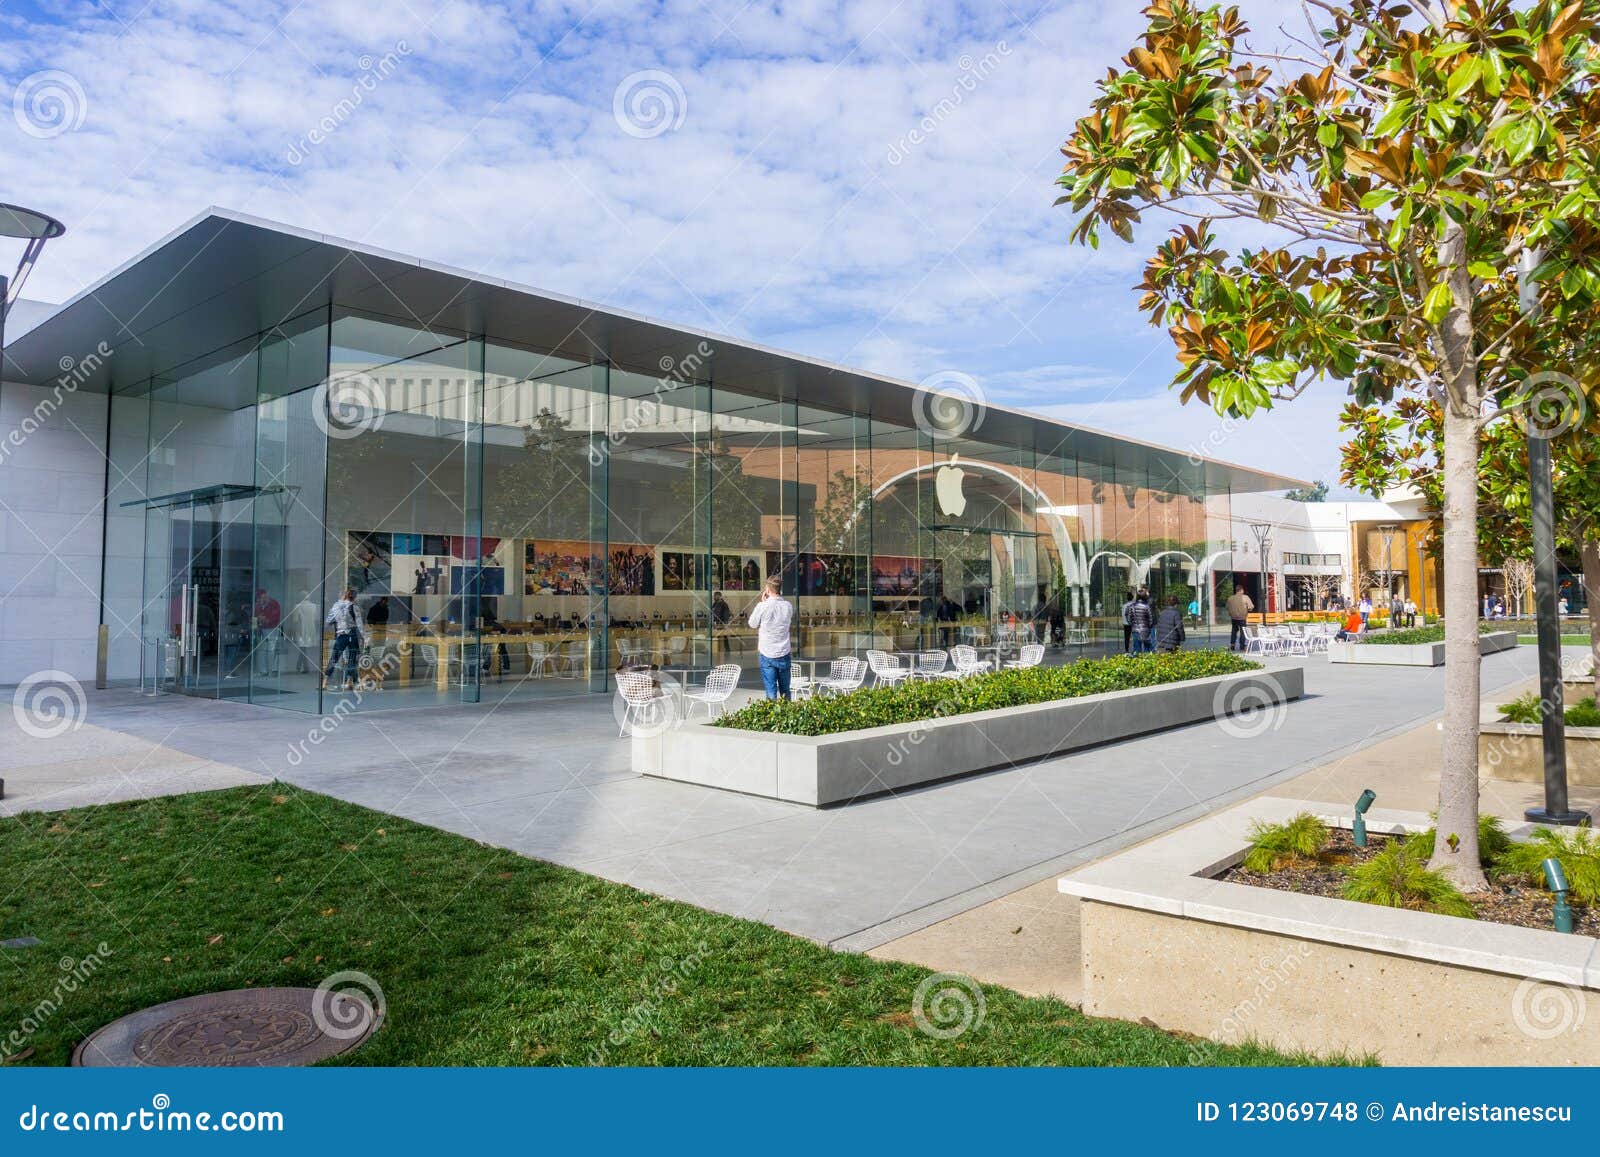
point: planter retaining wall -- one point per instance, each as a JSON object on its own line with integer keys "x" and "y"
{"x": 1229, "y": 962}
{"x": 1415, "y": 655}
{"x": 834, "y": 769}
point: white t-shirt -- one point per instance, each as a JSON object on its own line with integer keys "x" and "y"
{"x": 771, "y": 618}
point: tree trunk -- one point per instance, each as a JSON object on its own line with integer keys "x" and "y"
{"x": 1591, "y": 592}
{"x": 1458, "y": 777}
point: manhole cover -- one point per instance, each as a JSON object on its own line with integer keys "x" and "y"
{"x": 246, "y": 1027}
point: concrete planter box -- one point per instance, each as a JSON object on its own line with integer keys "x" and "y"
{"x": 1229, "y": 962}
{"x": 1418, "y": 655}
{"x": 833, "y": 769}
{"x": 1515, "y": 751}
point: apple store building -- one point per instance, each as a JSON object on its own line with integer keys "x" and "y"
{"x": 529, "y": 492}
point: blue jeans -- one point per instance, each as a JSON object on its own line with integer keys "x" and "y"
{"x": 348, "y": 643}
{"x": 1143, "y": 642}
{"x": 775, "y": 676}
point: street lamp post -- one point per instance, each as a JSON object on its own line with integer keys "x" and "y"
{"x": 1263, "y": 534}
{"x": 34, "y": 229}
{"x": 1541, "y": 503}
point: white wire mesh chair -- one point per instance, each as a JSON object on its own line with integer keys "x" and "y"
{"x": 966, "y": 661}
{"x": 931, "y": 664}
{"x": 641, "y": 698}
{"x": 845, "y": 674}
{"x": 886, "y": 669}
{"x": 714, "y": 693}
{"x": 1032, "y": 655}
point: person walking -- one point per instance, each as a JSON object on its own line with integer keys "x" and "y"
{"x": 1366, "y": 610}
{"x": 1239, "y": 607}
{"x": 1142, "y": 620}
{"x": 1411, "y": 613}
{"x": 348, "y": 637}
{"x": 1169, "y": 627}
{"x": 771, "y": 617}
{"x": 1127, "y": 624}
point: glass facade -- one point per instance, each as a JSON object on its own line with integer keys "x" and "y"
{"x": 518, "y": 522}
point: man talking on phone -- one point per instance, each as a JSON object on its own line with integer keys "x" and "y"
{"x": 771, "y": 617}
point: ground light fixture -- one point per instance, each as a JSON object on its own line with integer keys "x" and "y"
{"x": 1358, "y": 828}
{"x": 33, "y": 229}
{"x": 1556, "y": 880}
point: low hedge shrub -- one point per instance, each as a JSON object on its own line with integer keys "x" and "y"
{"x": 911, "y": 702}
{"x": 1416, "y": 636}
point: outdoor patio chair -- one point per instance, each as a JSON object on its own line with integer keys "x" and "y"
{"x": 931, "y": 664}
{"x": 575, "y": 658}
{"x": 1258, "y": 643}
{"x": 715, "y": 691}
{"x": 1032, "y": 655}
{"x": 844, "y": 675}
{"x": 641, "y": 698}
{"x": 967, "y": 662}
{"x": 886, "y": 669}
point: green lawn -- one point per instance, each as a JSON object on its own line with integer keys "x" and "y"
{"x": 1566, "y": 640}
{"x": 485, "y": 957}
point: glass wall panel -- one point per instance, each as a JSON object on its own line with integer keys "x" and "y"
{"x": 833, "y": 543}
{"x": 403, "y": 409}
{"x": 122, "y": 605}
{"x": 904, "y": 571}
{"x": 752, "y": 490}
{"x": 198, "y": 542}
{"x": 663, "y": 568}
{"x": 290, "y": 473}
{"x": 544, "y": 480}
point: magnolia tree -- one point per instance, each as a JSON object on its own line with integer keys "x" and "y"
{"x": 1403, "y": 158}
{"x": 1403, "y": 445}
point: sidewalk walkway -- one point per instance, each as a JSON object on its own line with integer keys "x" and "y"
{"x": 1028, "y": 940}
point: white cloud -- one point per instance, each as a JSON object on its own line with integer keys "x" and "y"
{"x": 774, "y": 212}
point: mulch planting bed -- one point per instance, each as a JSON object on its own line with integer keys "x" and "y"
{"x": 1503, "y": 903}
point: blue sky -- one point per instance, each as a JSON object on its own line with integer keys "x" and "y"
{"x": 869, "y": 183}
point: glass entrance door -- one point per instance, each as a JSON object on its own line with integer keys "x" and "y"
{"x": 200, "y": 625}
{"x": 989, "y": 584}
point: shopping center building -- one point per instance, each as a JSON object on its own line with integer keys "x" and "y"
{"x": 526, "y": 491}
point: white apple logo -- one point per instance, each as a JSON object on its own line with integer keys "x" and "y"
{"x": 947, "y": 486}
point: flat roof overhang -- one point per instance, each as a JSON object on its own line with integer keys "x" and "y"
{"x": 225, "y": 276}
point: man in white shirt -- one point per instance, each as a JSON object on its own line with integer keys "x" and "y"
{"x": 771, "y": 617}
